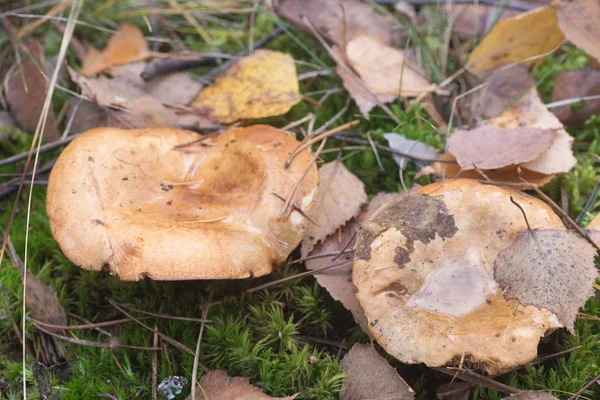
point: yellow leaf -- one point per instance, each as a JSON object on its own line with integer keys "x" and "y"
{"x": 261, "y": 85}
{"x": 125, "y": 46}
{"x": 517, "y": 39}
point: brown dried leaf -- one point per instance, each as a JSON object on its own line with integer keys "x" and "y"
{"x": 217, "y": 385}
{"x": 42, "y": 302}
{"x": 338, "y": 25}
{"x": 531, "y": 112}
{"x": 574, "y": 84}
{"x": 261, "y": 85}
{"x": 339, "y": 199}
{"x": 338, "y": 282}
{"x": 489, "y": 147}
{"x": 385, "y": 71}
{"x": 138, "y": 108}
{"x": 125, "y": 46}
{"x": 25, "y": 91}
{"x": 505, "y": 88}
{"x": 514, "y": 40}
{"x": 367, "y": 375}
{"x": 580, "y": 22}
{"x": 6, "y": 121}
{"x": 454, "y": 391}
{"x": 175, "y": 88}
{"x": 548, "y": 268}
{"x": 532, "y": 395}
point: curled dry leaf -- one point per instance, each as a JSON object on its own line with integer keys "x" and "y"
{"x": 574, "y": 84}
{"x": 506, "y": 86}
{"x": 25, "y": 88}
{"x": 137, "y": 107}
{"x": 339, "y": 199}
{"x": 367, "y": 375}
{"x": 489, "y": 147}
{"x": 125, "y": 46}
{"x": 548, "y": 268}
{"x": 385, "y": 71}
{"x": 261, "y": 85}
{"x": 579, "y": 20}
{"x": 338, "y": 282}
{"x": 217, "y": 385}
{"x": 412, "y": 147}
{"x": 42, "y": 302}
{"x": 518, "y": 39}
{"x": 337, "y": 21}
{"x": 531, "y": 395}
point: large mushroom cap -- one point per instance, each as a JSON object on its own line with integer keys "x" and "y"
{"x": 149, "y": 203}
{"x": 423, "y": 270}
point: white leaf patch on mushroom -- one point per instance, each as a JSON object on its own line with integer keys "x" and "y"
{"x": 423, "y": 268}
{"x": 159, "y": 203}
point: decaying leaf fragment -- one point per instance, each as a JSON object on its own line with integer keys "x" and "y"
{"x": 409, "y": 146}
{"x": 217, "y": 385}
{"x": 338, "y": 21}
{"x": 579, "y": 21}
{"x": 384, "y": 70}
{"x": 532, "y": 395}
{"x": 367, "y": 375}
{"x": 339, "y": 199}
{"x": 489, "y": 147}
{"x": 125, "y": 46}
{"x": 574, "y": 84}
{"x": 261, "y": 85}
{"x": 548, "y": 268}
{"x": 42, "y": 302}
{"x": 518, "y": 39}
{"x": 25, "y": 88}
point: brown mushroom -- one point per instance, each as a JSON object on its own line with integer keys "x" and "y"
{"x": 159, "y": 203}
{"x": 423, "y": 270}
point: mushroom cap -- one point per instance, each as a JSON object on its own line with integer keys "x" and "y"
{"x": 423, "y": 268}
{"x": 159, "y": 203}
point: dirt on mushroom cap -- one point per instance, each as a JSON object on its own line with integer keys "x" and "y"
{"x": 160, "y": 204}
{"x": 455, "y": 228}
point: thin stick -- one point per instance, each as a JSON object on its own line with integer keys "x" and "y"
{"x": 84, "y": 326}
{"x": 477, "y": 379}
{"x": 159, "y": 315}
{"x": 10, "y": 314}
{"x": 197, "y": 353}
{"x": 316, "y": 256}
{"x": 493, "y": 3}
{"x": 166, "y": 338}
{"x": 286, "y": 205}
{"x": 42, "y": 149}
{"x": 343, "y": 250}
{"x": 584, "y": 388}
{"x": 315, "y": 139}
{"x": 337, "y": 116}
{"x": 154, "y": 362}
{"x": 523, "y": 211}
{"x": 588, "y": 203}
{"x": 300, "y": 275}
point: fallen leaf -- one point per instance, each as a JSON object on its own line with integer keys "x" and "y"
{"x": 505, "y": 88}
{"x": 572, "y": 85}
{"x": 411, "y": 147}
{"x": 531, "y": 395}
{"x": 217, "y": 385}
{"x": 339, "y": 199}
{"x": 531, "y": 112}
{"x": 338, "y": 21}
{"x": 367, "y": 375}
{"x": 385, "y": 71}
{"x": 579, "y": 20}
{"x": 518, "y": 39}
{"x": 136, "y": 108}
{"x": 548, "y": 268}
{"x": 6, "y": 121}
{"x": 42, "y": 302}
{"x": 25, "y": 91}
{"x": 261, "y": 85}
{"x": 454, "y": 391}
{"x": 474, "y": 20}
{"x": 125, "y": 46}
{"x": 175, "y": 88}
{"x": 489, "y": 147}
{"x": 338, "y": 282}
